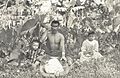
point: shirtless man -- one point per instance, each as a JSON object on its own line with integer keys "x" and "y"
{"x": 55, "y": 41}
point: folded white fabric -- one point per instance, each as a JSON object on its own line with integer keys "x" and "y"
{"x": 96, "y": 55}
{"x": 53, "y": 66}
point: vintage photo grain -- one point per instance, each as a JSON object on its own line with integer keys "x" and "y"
{"x": 59, "y": 38}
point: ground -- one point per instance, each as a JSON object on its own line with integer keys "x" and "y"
{"x": 108, "y": 67}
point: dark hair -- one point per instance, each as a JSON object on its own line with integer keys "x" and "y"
{"x": 91, "y": 33}
{"x": 55, "y": 22}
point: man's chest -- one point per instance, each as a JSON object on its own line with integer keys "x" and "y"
{"x": 54, "y": 38}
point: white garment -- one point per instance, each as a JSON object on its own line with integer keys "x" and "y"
{"x": 90, "y": 46}
{"x": 53, "y": 66}
{"x": 96, "y": 55}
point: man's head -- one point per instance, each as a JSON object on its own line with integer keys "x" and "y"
{"x": 91, "y": 36}
{"x": 55, "y": 26}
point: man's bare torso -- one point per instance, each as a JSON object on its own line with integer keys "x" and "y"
{"x": 54, "y": 41}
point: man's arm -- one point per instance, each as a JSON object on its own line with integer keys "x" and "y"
{"x": 62, "y": 45}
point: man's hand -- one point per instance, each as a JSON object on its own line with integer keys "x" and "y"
{"x": 63, "y": 58}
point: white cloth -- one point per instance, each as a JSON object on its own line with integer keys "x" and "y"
{"x": 90, "y": 46}
{"x": 53, "y": 66}
{"x": 96, "y": 55}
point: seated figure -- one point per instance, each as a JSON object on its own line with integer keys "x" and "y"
{"x": 90, "y": 48}
{"x": 54, "y": 48}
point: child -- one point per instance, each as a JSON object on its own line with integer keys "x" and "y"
{"x": 90, "y": 48}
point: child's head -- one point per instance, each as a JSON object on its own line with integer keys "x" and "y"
{"x": 91, "y": 36}
{"x": 35, "y": 44}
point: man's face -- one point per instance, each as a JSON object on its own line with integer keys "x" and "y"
{"x": 35, "y": 45}
{"x": 54, "y": 28}
{"x": 91, "y": 37}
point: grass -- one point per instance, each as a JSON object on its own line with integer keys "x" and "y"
{"x": 108, "y": 67}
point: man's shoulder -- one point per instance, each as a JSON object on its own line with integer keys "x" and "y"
{"x": 60, "y": 34}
